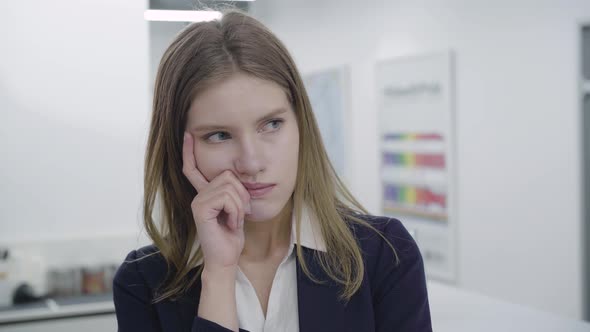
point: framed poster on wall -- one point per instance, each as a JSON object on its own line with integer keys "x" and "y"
{"x": 417, "y": 147}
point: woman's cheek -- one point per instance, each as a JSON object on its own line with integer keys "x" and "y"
{"x": 210, "y": 162}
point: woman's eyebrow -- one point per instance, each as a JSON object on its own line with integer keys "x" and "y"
{"x": 272, "y": 114}
{"x": 211, "y": 127}
{"x": 207, "y": 128}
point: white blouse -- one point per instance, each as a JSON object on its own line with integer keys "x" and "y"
{"x": 282, "y": 313}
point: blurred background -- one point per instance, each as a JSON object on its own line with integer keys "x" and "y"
{"x": 467, "y": 120}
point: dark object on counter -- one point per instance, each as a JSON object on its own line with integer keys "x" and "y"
{"x": 24, "y": 294}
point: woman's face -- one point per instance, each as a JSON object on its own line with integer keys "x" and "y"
{"x": 246, "y": 125}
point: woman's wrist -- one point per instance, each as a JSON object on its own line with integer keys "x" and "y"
{"x": 218, "y": 296}
{"x": 219, "y": 275}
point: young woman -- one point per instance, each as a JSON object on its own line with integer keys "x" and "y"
{"x": 255, "y": 231}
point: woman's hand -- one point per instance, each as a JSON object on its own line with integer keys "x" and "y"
{"x": 218, "y": 212}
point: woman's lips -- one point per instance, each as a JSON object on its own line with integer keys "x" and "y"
{"x": 257, "y": 191}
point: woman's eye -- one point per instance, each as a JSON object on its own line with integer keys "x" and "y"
{"x": 273, "y": 124}
{"x": 217, "y": 137}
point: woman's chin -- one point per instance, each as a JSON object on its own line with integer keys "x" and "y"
{"x": 267, "y": 212}
{"x": 261, "y": 216}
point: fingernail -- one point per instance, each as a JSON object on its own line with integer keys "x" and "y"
{"x": 248, "y": 208}
{"x": 185, "y": 136}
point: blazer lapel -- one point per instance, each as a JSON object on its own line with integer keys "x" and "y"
{"x": 188, "y": 306}
{"x": 319, "y": 306}
{"x": 173, "y": 314}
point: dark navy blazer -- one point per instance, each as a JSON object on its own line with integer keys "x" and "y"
{"x": 392, "y": 297}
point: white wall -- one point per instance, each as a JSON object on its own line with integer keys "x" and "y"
{"x": 74, "y": 112}
{"x": 519, "y": 206}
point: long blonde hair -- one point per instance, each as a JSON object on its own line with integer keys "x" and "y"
{"x": 207, "y": 52}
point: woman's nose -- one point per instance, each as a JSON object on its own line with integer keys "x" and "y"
{"x": 249, "y": 160}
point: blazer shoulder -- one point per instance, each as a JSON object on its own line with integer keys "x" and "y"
{"x": 395, "y": 275}
{"x": 144, "y": 266}
{"x": 391, "y": 229}
{"x": 387, "y": 243}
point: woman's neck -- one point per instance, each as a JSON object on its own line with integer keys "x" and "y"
{"x": 270, "y": 238}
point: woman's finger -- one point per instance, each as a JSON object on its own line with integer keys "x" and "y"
{"x": 228, "y": 177}
{"x": 229, "y": 204}
{"x": 215, "y": 200}
{"x": 241, "y": 190}
{"x": 238, "y": 213}
{"x": 189, "y": 164}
